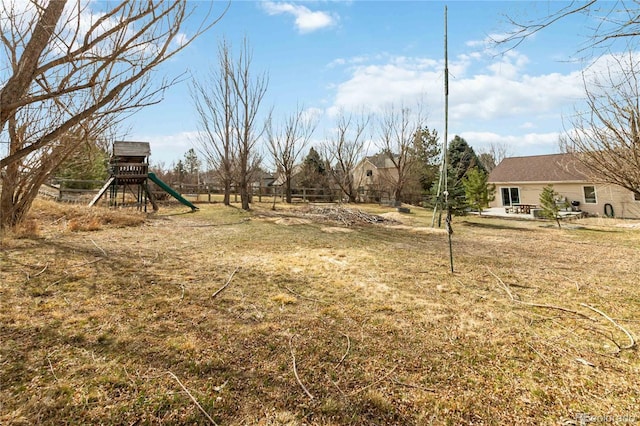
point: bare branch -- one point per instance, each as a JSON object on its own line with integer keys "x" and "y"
{"x": 632, "y": 342}
{"x": 606, "y": 137}
{"x": 286, "y": 143}
{"x": 524, "y": 30}
{"x": 295, "y": 369}
{"x": 226, "y": 284}
{"x": 195, "y": 401}
{"x": 344, "y": 150}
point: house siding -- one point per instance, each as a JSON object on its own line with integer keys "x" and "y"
{"x": 622, "y": 200}
{"x": 378, "y": 186}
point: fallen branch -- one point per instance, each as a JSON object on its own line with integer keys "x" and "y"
{"x": 559, "y": 308}
{"x": 192, "y": 398}
{"x": 42, "y": 271}
{"x": 337, "y": 387}
{"x": 346, "y": 352}
{"x": 585, "y": 362}
{"x": 537, "y": 305}
{"x": 99, "y": 248}
{"x": 504, "y": 286}
{"x": 539, "y": 354}
{"x": 51, "y": 367}
{"x": 374, "y": 383}
{"x": 632, "y": 342}
{"x": 295, "y": 370}
{"x": 226, "y": 284}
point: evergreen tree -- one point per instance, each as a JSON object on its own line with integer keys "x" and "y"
{"x": 314, "y": 173}
{"x": 548, "y": 202}
{"x": 426, "y": 149}
{"x": 456, "y": 198}
{"x": 477, "y": 191}
{"x": 461, "y": 158}
{"x": 179, "y": 171}
{"x": 89, "y": 162}
{"x": 191, "y": 166}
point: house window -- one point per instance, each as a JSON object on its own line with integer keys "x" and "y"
{"x": 369, "y": 173}
{"x": 636, "y": 196}
{"x": 589, "y": 194}
{"x": 510, "y": 196}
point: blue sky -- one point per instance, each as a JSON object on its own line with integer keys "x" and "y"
{"x": 332, "y": 55}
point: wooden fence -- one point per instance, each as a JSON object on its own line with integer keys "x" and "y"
{"x": 82, "y": 191}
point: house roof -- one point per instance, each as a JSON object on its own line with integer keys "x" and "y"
{"x": 280, "y": 179}
{"x": 540, "y": 168}
{"x": 381, "y": 160}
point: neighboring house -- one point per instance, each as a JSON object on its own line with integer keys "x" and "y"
{"x": 375, "y": 176}
{"x": 262, "y": 181}
{"x": 296, "y": 176}
{"x": 520, "y": 180}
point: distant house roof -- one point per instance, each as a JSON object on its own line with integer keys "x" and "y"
{"x": 540, "y": 168}
{"x": 263, "y": 177}
{"x": 381, "y": 160}
{"x": 280, "y": 178}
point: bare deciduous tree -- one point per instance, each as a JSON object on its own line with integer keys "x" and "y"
{"x": 249, "y": 92}
{"x": 397, "y": 129}
{"x": 492, "y": 155}
{"x": 613, "y": 20}
{"x": 286, "y": 143}
{"x": 74, "y": 70}
{"x": 214, "y": 100}
{"x": 606, "y": 138}
{"x": 344, "y": 149}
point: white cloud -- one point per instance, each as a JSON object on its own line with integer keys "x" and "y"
{"x": 306, "y": 20}
{"x": 180, "y": 39}
{"x": 401, "y": 79}
{"x": 167, "y": 148}
{"x": 483, "y": 96}
{"x": 527, "y": 144}
{"x": 489, "y": 97}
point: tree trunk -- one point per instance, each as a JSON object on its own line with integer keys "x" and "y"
{"x": 16, "y": 87}
{"x": 244, "y": 197}
{"x": 244, "y": 192}
{"x": 10, "y": 214}
{"x": 397, "y": 195}
{"x": 287, "y": 186}
{"x": 227, "y": 193}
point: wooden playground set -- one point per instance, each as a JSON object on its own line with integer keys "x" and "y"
{"x": 129, "y": 178}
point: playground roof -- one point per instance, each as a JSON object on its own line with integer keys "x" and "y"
{"x": 131, "y": 149}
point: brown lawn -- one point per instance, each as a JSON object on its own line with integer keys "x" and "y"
{"x": 110, "y": 318}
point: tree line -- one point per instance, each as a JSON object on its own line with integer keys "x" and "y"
{"x": 75, "y": 70}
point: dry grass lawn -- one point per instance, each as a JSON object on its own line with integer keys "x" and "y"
{"x": 110, "y": 318}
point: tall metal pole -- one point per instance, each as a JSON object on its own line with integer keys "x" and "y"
{"x": 443, "y": 181}
{"x": 446, "y": 138}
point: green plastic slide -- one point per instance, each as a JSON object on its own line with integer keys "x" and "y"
{"x": 171, "y": 191}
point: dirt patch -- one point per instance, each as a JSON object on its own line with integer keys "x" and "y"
{"x": 336, "y": 230}
{"x": 288, "y": 221}
{"x": 420, "y": 229}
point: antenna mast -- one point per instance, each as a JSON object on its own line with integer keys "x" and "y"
{"x": 443, "y": 190}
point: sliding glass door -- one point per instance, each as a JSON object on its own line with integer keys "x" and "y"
{"x": 510, "y": 196}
